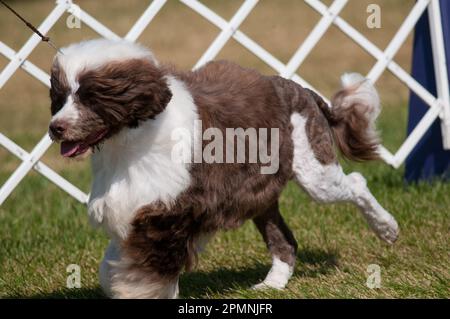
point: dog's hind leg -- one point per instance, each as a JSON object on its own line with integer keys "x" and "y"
{"x": 281, "y": 244}
{"x": 328, "y": 183}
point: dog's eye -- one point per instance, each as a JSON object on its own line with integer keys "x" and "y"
{"x": 58, "y": 95}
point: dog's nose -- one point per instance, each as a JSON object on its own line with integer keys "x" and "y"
{"x": 57, "y": 129}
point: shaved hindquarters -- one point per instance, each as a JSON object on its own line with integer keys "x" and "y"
{"x": 281, "y": 244}
{"x": 327, "y": 183}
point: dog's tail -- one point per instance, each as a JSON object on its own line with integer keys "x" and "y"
{"x": 352, "y": 117}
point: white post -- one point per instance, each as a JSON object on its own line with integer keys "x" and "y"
{"x": 227, "y": 32}
{"x": 415, "y": 136}
{"x": 91, "y": 22}
{"x": 44, "y": 170}
{"x": 440, "y": 69}
{"x": 374, "y": 51}
{"x": 144, "y": 20}
{"x": 399, "y": 38}
{"x": 246, "y": 42}
{"x": 32, "y": 42}
{"x": 24, "y": 167}
{"x": 26, "y": 65}
{"x": 316, "y": 34}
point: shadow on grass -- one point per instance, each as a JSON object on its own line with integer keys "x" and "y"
{"x": 314, "y": 262}
{"x": 198, "y": 284}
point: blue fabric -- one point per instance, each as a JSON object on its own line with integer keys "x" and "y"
{"x": 428, "y": 160}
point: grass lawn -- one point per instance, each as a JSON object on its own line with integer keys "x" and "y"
{"x": 42, "y": 230}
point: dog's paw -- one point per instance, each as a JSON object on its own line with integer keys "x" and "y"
{"x": 268, "y": 285}
{"x": 387, "y": 229}
{"x": 278, "y": 276}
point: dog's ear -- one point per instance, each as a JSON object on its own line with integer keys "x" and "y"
{"x": 125, "y": 93}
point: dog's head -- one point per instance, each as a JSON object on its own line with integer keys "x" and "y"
{"x": 100, "y": 87}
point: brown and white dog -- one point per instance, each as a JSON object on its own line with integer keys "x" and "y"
{"x": 112, "y": 98}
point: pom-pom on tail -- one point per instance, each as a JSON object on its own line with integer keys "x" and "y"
{"x": 354, "y": 111}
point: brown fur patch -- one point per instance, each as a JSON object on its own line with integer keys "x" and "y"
{"x": 124, "y": 93}
{"x": 110, "y": 97}
{"x": 60, "y": 89}
{"x": 162, "y": 240}
{"x": 229, "y": 96}
{"x": 317, "y": 127}
{"x": 279, "y": 239}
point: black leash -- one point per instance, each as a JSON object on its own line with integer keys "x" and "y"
{"x": 32, "y": 27}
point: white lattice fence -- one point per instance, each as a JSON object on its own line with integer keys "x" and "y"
{"x": 439, "y": 106}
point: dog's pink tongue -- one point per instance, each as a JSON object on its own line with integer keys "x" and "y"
{"x": 69, "y": 148}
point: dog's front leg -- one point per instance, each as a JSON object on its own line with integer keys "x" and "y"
{"x": 154, "y": 253}
{"x": 112, "y": 255}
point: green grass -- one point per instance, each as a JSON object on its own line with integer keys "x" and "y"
{"x": 42, "y": 230}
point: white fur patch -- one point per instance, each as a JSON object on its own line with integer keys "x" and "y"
{"x": 363, "y": 92}
{"x": 381, "y": 222}
{"x": 94, "y": 53}
{"x": 68, "y": 113}
{"x": 278, "y": 276}
{"x": 135, "y": 168}
{"x": 322, "y": 182}
{"x": 134, "y": 284}
{"x": 328, "y": 184}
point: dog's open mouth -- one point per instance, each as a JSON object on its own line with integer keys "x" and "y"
{"x": 75, "y": 148}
